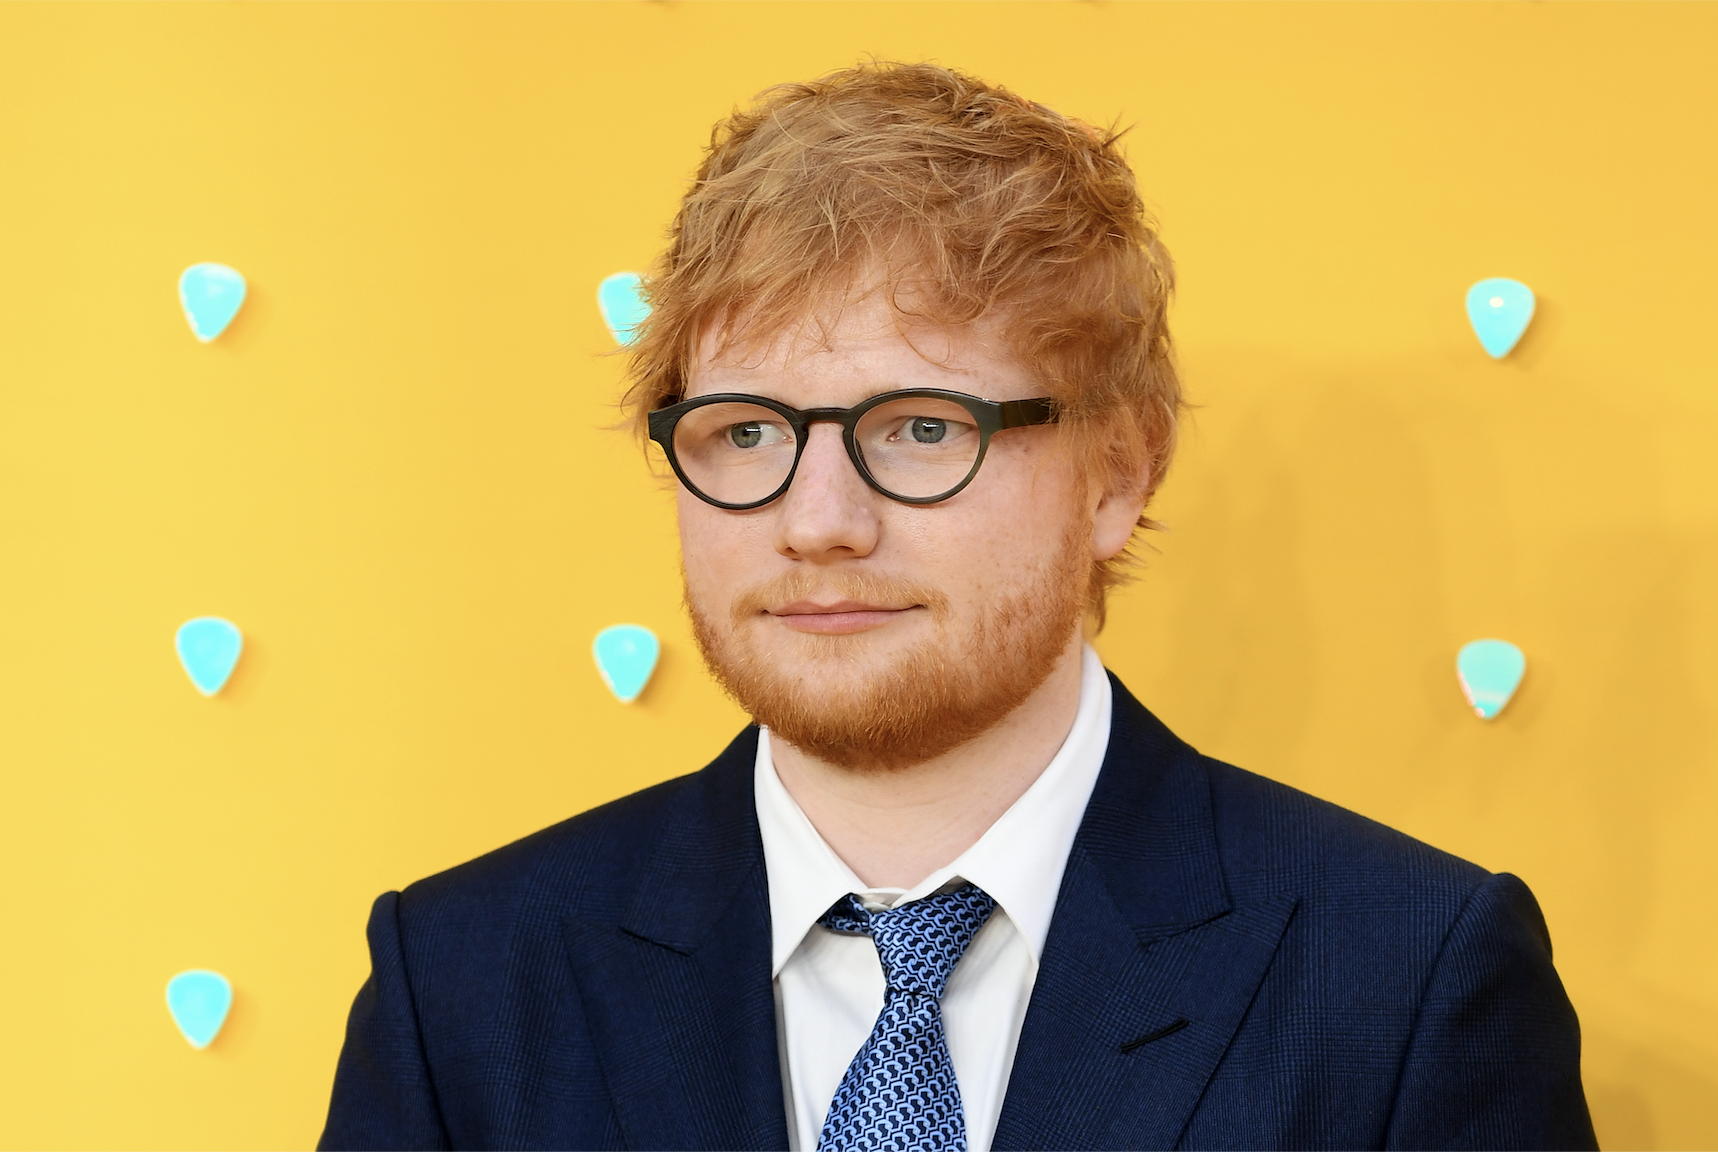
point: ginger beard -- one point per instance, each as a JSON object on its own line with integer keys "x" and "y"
{"x": 843, "y": 705}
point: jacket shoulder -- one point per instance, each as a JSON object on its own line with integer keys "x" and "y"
{"x": 585, "y": 866}
{"x": 1275, "y": 839}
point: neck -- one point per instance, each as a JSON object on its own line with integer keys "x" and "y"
{"x": 895, "y": 828}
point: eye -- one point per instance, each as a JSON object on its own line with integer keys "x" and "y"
{"x": 928, "y": 429}
{"x": 754, "y": 433}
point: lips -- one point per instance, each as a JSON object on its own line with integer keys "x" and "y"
{"x": 837, "y": 617}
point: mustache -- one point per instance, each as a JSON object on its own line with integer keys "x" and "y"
{"x": 864, "y": 587}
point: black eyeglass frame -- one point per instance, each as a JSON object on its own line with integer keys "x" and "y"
{"x": 989, "y": 416}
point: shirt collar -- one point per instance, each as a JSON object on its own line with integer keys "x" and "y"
{"x": 1019, "y": 860}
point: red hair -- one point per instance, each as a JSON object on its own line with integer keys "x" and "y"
{"x": 990, "y": 207}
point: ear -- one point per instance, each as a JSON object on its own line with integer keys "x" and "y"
{"x": 1119, "y": 505}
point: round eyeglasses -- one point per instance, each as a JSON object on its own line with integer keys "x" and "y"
{"x": 918, "y": 446}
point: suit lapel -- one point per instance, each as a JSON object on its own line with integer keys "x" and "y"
{"x": 678, "y": 998}
{"x": 1148, "y": 967}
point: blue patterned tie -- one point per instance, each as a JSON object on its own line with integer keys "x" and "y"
{"x": 899, "y": 1094}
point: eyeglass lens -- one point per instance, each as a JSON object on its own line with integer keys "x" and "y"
{"x": 915, "y": 447}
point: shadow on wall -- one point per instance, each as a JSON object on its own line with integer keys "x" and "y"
{"x": 1645, "y": 1098}
{"x": 1338, "y": 531}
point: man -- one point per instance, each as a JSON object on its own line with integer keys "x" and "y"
{"x": 907, "y": 358}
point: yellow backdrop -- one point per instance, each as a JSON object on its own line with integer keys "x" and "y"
{"x": 393, "y": 472}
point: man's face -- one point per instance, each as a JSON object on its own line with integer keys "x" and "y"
{"x": 868, "y": 632}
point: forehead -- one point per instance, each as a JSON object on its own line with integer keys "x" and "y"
{"x": 841, "y": 353}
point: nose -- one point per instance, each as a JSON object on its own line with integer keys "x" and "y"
{"x": 828, "y": 512}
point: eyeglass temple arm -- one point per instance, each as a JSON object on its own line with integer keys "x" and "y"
{"x": 1025, "y": 413}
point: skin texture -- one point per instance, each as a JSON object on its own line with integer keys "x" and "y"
{"x": 779, "y": 583}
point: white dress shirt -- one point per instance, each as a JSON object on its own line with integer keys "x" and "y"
{"x": 829, "y": 987}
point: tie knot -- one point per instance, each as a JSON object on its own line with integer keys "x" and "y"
{"x": 919, "y": 943}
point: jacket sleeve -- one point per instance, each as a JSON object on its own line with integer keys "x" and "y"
{"x": 383, "y": 1094}
{"x": 1495, "y": 1057}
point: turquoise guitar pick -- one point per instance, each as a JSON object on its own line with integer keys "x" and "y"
{"x": 211, "y": 295}
{"x": 208, "y": 648}
{"x": 198, "y": 1001}
{"x": 1499, "y": 311}
{"x": 626, "y": 656}
{"x": 1490, "y": 671}
{"x": 621, "y": 302}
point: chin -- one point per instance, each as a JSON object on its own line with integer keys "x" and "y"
{"x": 849, "y": 657}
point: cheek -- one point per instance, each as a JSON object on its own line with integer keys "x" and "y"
{"x": 1037, "y": 496}
{"x": 1002, "y": 534}
{"x": 719, "y": 550}
{"x": 701, "y": 542}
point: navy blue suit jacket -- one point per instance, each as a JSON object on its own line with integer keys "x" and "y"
{"x": 1232, "y": 964}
